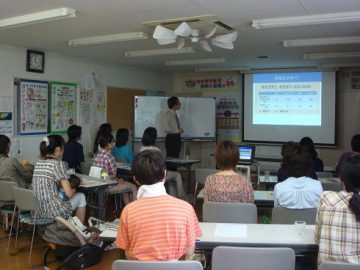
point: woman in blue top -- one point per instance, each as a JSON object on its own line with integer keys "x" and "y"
{"x": 122, "y": 150}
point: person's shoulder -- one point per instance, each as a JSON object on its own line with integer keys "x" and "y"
{"x": 332, "y": 198}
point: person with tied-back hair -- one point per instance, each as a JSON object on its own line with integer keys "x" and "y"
{"x": 227, "y": 185}
{"x": 308, "y": 144}
{"x": 104, "y": 130}
{"x": 122, "y": 150}
{"x": 355, "y": 150}
{"x": 337, "y": 230}
{"x": 49, "y": 176}
{"x": 298, "y": 191}
{"x": 10, "y": 168}
{"x": 149, "y": 143}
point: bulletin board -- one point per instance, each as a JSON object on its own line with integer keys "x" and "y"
{"x": 32, "y": 106}
{"x": 43, "y": 106}
{"x": 63, "y": 106}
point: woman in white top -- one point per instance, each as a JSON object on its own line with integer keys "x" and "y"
{"x": 148, "y": 140}
{"x": 298, "y": 191}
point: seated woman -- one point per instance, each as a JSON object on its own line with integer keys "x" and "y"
{"x": 104, "y": 130}
{"x": 122, "y": 150}
{"x": 227, "y": 185}
{"x": 10, "y": 168}
{"x": 298, "y": 191}
{"x": 105, "y": 160}
{"x": 148, "y": 143}
{"x": 73, "y": 150}
{"x": 308, "y": 144}
{"x": 337, "y": 230}
{"x": 355, "y": 150}
{"x": 49, "y": 176}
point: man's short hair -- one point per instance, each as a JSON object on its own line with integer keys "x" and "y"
{"x": 74, "y": 132}
{"x": 148, "y": 167}
{"x": 172, "y": 101}
{"x": 227, "y": 155}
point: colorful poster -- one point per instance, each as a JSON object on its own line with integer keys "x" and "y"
{"x": 63, "y": 106}
{"x": 214, "y": 82}
{"x": 33, "y": 107}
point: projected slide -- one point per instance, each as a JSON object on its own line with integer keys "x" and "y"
{"x": 287, "y": 99}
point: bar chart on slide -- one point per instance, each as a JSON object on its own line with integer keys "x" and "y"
{"x": 292, "y": 100}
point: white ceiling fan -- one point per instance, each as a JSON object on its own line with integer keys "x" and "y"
{"x": 166, "y": 36}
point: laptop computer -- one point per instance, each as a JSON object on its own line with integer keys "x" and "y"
{"x": 246, "y": 154}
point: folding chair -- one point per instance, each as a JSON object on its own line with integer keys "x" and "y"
{"x": 25, "y": 201}
{"x": 228, "y": 212}
{"x": 7, "y": 197}
{"x": 140, "y": 265}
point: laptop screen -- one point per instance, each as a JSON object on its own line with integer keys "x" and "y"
{"x": 246, "y": 153}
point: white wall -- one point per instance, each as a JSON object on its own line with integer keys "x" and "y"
{"x": 69, "y": 69}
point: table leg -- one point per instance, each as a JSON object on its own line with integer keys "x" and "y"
{"x": 101, "y": 212}
{"x": 188, "y": 167}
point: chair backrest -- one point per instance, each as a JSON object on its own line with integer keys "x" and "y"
{"x": 85, "y": 167}
{"x": 6, "y": 191}
{"x": 323, "y": 175}
{"x": 338, "y": 266}
{"x": 282, "y": 215}
{"x": 331, "y": 186}
{"x": 24, "y": 199}
{"x": 242, "y": 258}
{"x": 228, "y": 212}
{"x": 141, "y": 265}
{"x": 202, "y": 173}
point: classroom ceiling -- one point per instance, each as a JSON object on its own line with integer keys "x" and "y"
{"x": 106, "y": 17}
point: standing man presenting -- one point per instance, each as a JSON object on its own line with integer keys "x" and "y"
{"x": 172, "y": 128}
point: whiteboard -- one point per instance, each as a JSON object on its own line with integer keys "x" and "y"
{"x": 197, "y": 116}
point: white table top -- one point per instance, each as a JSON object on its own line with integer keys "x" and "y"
{"x": 254, "y": 234}
{"x": 90, "y": 181}
{"x": 257, "y": 234}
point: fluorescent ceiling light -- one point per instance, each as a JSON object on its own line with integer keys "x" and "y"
{"x": 321, "y": 41}
{"x": 335, "y": 65}
{"x": 107, "y": 39}
{"x": 331, "y": 55}
{"x": 194, "y": 61}
{"x": 214, "y": 69}
{"x": 307, "y": 20}
{"x": 38, "y": 17}
{"x": 159, "y": 52}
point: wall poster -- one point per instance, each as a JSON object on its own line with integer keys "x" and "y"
{"x": 32, "y": 107}
{"x": 63, "y": 106}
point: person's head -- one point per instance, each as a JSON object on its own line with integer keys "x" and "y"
{"x": 287, "y": 148}
{"x": 226, "y": 155}
{"x": 74, "y": 181}
{"x": 350, "y": 176}
{"x": 173, "y": 103}
{"x": 106, "y": 141}
{"x": 74, "y": 133}
{"x": 104, "y": 130}
{"x": 308, "y": 144}
{"x": 148, "y": 167}
{"x": 297, "y": 163}
{"x": 149, "y": 136}
{"x": 52, "y": 146}
{"x": 122, "y": 137}
{"x": 355, "y": 143}
{"x": 4, "y": 145}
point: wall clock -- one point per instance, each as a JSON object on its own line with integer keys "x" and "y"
{"x": 35, "y": 61}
